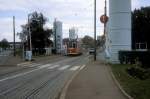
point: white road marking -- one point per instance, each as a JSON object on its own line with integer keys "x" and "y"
{"x": 41, "y": 67}
{"x": 15, "y": 76}
{"x": 82, "y": 67}
{"x": 29, "y": 65}
{"x": 22, "y": 74}
{"x": 33, "y": 65}
{"x": 64, "y": 67}
{"x": 52, "y": 67}
{"x": 25, "y": 63}
{"x": 44, "y": 66}
{"x": 74, "y": 68}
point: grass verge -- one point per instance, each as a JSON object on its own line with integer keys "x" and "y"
{"x": 138, "y": 89}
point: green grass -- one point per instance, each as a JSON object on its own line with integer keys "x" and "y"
{"x": 138, "y": 89}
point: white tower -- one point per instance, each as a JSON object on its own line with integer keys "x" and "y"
{"x": 58, "y": 36}
{"x": 119, "y": 28}
{"x": 73, "y": 33}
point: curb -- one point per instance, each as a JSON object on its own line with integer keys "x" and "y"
{"x": 118, "y": 84}
{"x": 64, "y": 90}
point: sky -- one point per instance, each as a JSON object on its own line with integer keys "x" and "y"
{"x": 72, "y": 13}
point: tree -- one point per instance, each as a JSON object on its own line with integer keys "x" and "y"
{"x": 4, "y": 43}
{"x": 141, "y": 26}
{"x": 100, "y": 41}
{"x": 39, "y": 35}
{"x": 88, "y": 41}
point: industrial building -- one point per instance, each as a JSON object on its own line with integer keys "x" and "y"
{"x": 57, "y": 27}
{"x": 73, "y": 33}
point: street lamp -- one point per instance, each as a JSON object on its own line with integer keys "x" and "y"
{"x": 55, "y": 34}
{"x": 29, "y": 53}
{"x": 14, "y": 35}
{"x": 29, "y": 33}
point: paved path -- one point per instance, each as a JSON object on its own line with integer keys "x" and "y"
{"x": 94, "y": 82}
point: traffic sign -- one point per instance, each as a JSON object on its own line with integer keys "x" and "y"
{"x": 104, "y": 19}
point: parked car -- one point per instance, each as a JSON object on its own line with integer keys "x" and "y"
{"x": 91, "y": 50}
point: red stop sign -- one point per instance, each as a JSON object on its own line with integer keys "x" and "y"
{"x": 104, "y": 19}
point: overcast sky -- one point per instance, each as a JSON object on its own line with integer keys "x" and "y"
{"x": 77, "y": 13}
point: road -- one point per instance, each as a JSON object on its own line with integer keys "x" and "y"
{"x": 43, "y": 80}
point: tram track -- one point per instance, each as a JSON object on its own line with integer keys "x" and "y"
{"x": 48, "y": 81}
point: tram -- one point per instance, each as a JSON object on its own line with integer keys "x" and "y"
{"x": 73, "y": 48}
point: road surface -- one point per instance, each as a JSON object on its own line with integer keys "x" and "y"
{"x": 43, "y": 80}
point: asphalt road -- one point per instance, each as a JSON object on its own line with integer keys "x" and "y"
{"x": 43, "y": 80}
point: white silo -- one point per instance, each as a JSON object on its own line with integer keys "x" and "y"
{"x": 73, "y": 33}
{"x": 57, "y": 36}
{"x": 119, "y": 27}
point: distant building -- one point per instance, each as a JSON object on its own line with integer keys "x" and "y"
{"x": 73, "y": 33}
{"x": 57, "y": 27}
{"x": 17, "y": 45}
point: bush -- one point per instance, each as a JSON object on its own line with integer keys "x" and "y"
{"x": 39, "y": 51}
{"x": 131, "y": 57}
{"x": 138, "y": 72}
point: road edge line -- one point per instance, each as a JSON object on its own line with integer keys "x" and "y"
{"x": 64, "y": 90}
{"x": 118, "y": 84}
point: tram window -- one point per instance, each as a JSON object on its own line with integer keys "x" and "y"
{"x": 74, "y": 45}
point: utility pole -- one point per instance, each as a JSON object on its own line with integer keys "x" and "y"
{"x": 30, "y": 41}
{"x": 14, "y": 35}
{"x": 94, "y": 30}
{"x": 29, "y": 32}
{"x": 105, "y": 14}
{"x": 55, "y": 36}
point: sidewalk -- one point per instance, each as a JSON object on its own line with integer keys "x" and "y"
{"x": 94, "y": 82}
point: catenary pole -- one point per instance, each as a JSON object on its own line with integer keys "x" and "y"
{"x": 94, "y": 30}
{"x": 14, "y": 35}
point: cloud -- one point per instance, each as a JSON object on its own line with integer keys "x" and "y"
{"x": 6, "y": 28}
{"x": 135, "y": 4}
{"x": 77, "y": 13}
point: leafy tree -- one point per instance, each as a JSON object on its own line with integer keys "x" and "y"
{"x": 4, "y": 43}
{"x": 39, "y": 35}
{"x": 88, "y": 41}
{"x": 0, "y": 44}
{"x": 101, "y": 41}
{"x": 141, "y": 26}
